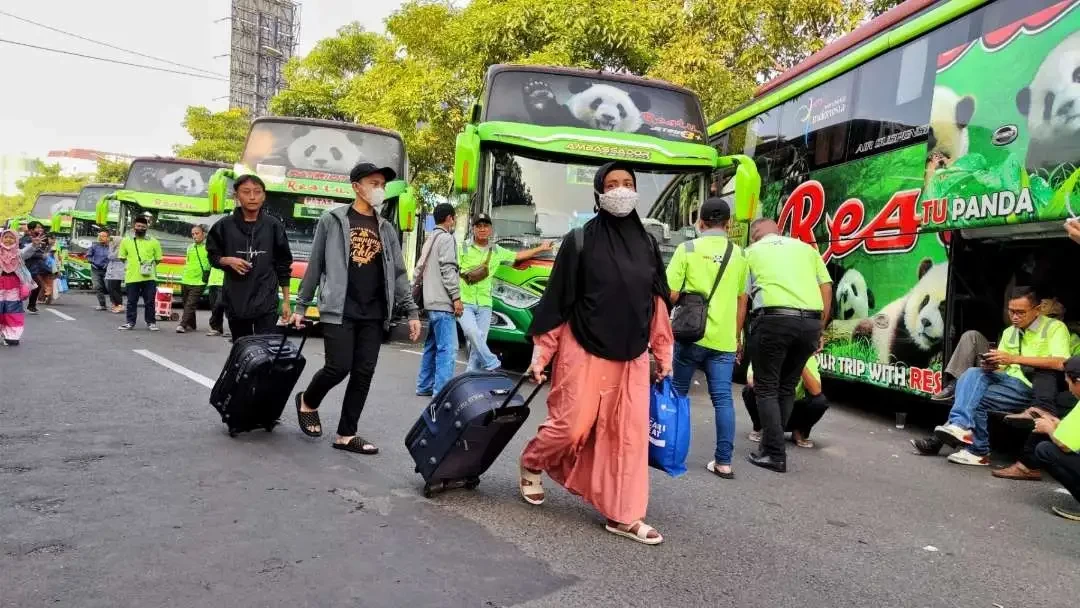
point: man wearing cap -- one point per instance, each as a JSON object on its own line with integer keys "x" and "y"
{"x": 1060, "y": 456}
{"x": 438, "y": 273}
{"x": 791, "y": 294}
{"x": 478, "y": 259}
{"x": 713, "y": 266}
{"x": 357, "y": 267}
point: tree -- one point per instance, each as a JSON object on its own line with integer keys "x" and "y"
{"x": 217, "y": 136}
{"x": 111, "y": 171}
{"x": 423, "y": 76}
{"x": 47, "y": 179}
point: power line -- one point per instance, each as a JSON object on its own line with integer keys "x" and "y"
{"x": 111, "y": 46}
{"x": 116, "y": 61}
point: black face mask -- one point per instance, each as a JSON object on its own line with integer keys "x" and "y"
{"x": 139, "y": 232}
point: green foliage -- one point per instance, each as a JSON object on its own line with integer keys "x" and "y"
{"x": 216, "y": 136}
{"x": 111, "y": 171}
{"x": 47, "y": 179}
{"x": 422, "y": 77}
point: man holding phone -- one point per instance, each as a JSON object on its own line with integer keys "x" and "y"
{"x": 1003, "y": 382}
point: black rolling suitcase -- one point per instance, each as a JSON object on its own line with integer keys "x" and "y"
{"x": 257, "y": 380}
{"x": 465, "y": 428}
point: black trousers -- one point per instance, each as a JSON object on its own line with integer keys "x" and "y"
{"x": 352, "y": 349}
{"x": 101, "y": 287}
{"x": 266, "y": 324}
{"x": 192, "y": 293}
{"x": 116, "y": 292}
{"x": 1062, "y": 466}
{"x": 217, "y": 309}
{"x": 779, "y": 347}
{"x": 805, "y": 413}
{"x": 1064, "y": 404}
{"x": 147, "y": 290}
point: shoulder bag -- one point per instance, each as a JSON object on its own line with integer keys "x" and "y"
{"x": 479, "y": 273}
{"x": 691, "y": 312}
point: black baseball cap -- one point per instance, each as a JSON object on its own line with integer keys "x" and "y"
{"x": 362, "y": 170}
{"x": 442, "y": 211}
{"x": 715, "y": 209}
{"x": 481, "y": 218}
{"x": 1072, "y": 367}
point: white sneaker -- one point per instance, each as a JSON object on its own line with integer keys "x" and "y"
{"x": 966, "y": 457}
{"x": 153, "y": 327}
{"x": 126, "y": 327}
{"x": 954, "y": 435}
{"x": 180, "y": 329}
{"x": 754, "y": 436}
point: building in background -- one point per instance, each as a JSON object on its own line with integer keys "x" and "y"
{"x": 81, "y": 161}
{"x": 264, "y": 37}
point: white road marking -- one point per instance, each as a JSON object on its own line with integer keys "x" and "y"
{"x": 421, "y": 353}
{"x": 60, "y": 314}
{"x": 176, "y": 367}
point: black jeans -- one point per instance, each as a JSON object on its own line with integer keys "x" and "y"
{"x": 1064, "y": 467}
{"x": 147, "y": 290}
{"x": 266, "y": 324}
{"x": 805, "y": 413}
{"x": 1064, "y": 404}
{"x": 192, "y": 293}
{"x": 779, "y": 347}
{"x": 116, "y": 292}
{"x": 100, "y": 287}
{"x": 217, "y": 309}
{"x": 352, "y": 349}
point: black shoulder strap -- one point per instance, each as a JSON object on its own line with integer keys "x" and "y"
{"x": 720, "y": 273}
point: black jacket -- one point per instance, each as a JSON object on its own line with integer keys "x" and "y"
{"x": 265, "y": 245}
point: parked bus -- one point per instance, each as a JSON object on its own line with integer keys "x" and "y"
{"x": 305, "y": 164}
{"x": 931, "y": 156}
{"x": 83, "y": 231}
{"x": 532, "y": 147}
{"x": 176, "y": 194}
{"x": 45, "y": 205}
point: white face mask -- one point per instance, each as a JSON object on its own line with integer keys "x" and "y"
{"x": 375, "y": 197}
{"x": 619, "y": 202}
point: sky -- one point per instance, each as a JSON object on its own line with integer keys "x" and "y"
{"x": 56, "y": 102}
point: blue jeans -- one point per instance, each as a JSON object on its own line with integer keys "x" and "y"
{"x": 475, "y": 323}
{"x": 979, "y": 392}
{"x": 437, "y": 364}
{"x": 718, "y": 367}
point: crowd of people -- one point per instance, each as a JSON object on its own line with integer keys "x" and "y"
{"x": 606, "y": 316}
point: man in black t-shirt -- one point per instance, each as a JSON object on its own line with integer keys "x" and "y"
{"x": 357, "y": 266}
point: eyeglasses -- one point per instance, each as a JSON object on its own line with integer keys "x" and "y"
{"x": 1019, "y": 313}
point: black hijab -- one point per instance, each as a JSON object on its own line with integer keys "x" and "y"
{"x": 606, "y": 291}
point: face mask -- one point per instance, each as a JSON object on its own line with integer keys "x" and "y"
{"x": 375, "y": 197}
{"x": 140, "y": 232}
{"x": 619, "y": 202}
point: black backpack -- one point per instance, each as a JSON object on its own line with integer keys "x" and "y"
{"x": 691, "y": 312}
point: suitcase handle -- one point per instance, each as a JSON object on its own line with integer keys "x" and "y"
{"x": 517, "y": 388}
{"x": 285, "y": 338}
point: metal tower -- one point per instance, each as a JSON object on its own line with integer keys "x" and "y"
{"x": 264, "y": 35}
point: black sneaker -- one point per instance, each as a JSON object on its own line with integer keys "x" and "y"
{"x": 946, "y": 394}
{"x": 928, "y": 447}
{"x": 31, "y": 311}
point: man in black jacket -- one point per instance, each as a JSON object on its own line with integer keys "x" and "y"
{"x": 252, "y": 249}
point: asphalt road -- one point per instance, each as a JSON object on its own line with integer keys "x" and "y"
{"x": 119, "y": 487}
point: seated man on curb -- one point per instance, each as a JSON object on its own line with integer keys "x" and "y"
{"x": 810, "y": 405}
{"x": 1031, "y": 351}
{"x": 1059, "y": 456}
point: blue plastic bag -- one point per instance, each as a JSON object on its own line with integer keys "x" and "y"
{"x": 62, "y": 284}
{"x": 669, "y": 428}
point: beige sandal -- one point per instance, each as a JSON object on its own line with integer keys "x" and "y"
{"x": 640, "y": 534}
{"x": 531, "y": 486}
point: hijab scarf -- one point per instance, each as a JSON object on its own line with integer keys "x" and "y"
{"x": 607, "y": 290}
{"x": 9, "y": 254}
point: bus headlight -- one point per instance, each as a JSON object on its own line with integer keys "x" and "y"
{"x": 512, "y": 295}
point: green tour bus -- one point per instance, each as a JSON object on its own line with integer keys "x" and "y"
{"x": 176, "y": 194}
{"x": 931, "y": 156}
{"x": 533, "y": 144}
{"x": 83, "y": 231}
{"x": 305, "y": 164}
{"x": 45, "y": 206}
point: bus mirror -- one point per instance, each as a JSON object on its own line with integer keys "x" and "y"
{"x": 467, "y": 160}
{"x": 474, "y": 118}
{"x": 217, "y": 189}
{"x": 54, "y": 223}
{"x": 747, "y": 185}
{"x": 407, "y": 210}
{"x": 101, "y": 212}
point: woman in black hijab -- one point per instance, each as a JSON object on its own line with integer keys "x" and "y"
{"x": 604, "y": 309}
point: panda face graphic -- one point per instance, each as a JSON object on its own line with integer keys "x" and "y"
{"x": 853, "y": 297}
{"x": 184, "y": 181}
{"x": 318, "y": 149}
{"x": 924, "y": 310}
{"x": 1051, "y": 104}
{"x": 950, "y": 116}
{"x": 605, "y": 107}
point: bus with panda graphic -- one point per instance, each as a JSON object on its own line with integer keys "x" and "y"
{"x": 533, "y": 144}
{"x": 46, "y": 204}
{"x": 931, "y": 155}
{"x": 176, "y": 194}
{"x": 305, "y": 164}
{"x": 83, "y": 230}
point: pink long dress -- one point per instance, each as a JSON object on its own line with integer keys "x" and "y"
{"x": 595, "y": 440}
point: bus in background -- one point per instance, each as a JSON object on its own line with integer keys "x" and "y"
{"x": 305, "y": 164}
{"x": 83, "y": 231}
{"x": 45, "y": 206}
{"x": 532, "y": 147}
{"x": 929, "y": 186}
{"x": 176, "y": 194}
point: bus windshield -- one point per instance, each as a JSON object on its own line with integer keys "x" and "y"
{"x": 90, "y": 195}
{"x": 290, "y": 149}
{"x": 169, "y": 177}
{"x": 300, "y": 215}
{"x": 533, "y": 198}
{"x": 48, "y": 205}
{"x": 172, "y": 229}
